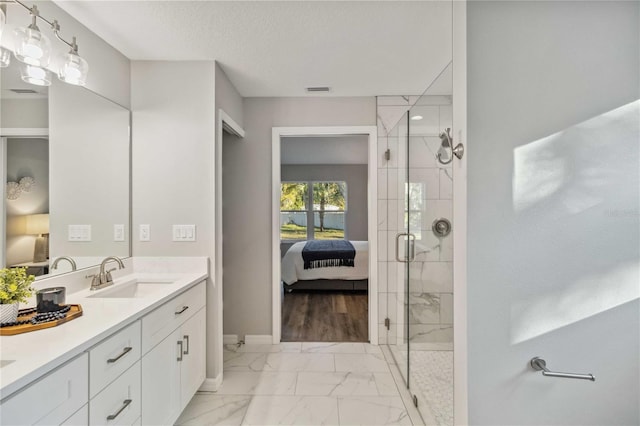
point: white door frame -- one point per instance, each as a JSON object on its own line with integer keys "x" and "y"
{"x": 224, "y": 123}
{"x": 372, "y": 226}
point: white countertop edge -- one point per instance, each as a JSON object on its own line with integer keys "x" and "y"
{"x": 20, "y": 375}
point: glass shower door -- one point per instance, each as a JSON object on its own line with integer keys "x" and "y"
{"x": 420, "y": 253}
{"x": 429, "y": 270}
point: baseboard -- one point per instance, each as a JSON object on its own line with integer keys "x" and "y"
{"x": 211, "y": 385}
{"x": 230, "y": 339}
{"x": 258, "y": 339}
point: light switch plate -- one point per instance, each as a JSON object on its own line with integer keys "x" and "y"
{"x": 79, "y": 233}
{"x": 145, "y": 233}
{"x": 118, "y": 232}
{"x": 184, "y": 232}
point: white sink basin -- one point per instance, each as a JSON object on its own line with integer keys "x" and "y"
{"x": 137, "y": 288}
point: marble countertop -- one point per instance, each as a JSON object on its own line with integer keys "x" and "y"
{"x": 27, "y": 356}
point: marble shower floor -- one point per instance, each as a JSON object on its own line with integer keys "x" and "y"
{"x": 303, "y": 384}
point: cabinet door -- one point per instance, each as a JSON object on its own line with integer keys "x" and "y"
{"x": 161, "y": 382}
{"x": 194, "y": 356}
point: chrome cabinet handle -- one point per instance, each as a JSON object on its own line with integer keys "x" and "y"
{"x": 184, "y": 308}
{"x": 186, "y": 339}
{"x": 124, "y": 352}
{"x": 125, "y": 404}
{"x": 180, "y": 351}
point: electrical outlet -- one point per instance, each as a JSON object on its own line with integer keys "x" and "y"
{"x": 145, "y": 233}
{"x": 118, "y": 232}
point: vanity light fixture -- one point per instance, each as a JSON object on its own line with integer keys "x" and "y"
{"x": 417, "y": 117}
{"x": 34, "y": 50}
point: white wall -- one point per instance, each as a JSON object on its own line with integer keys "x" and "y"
{"x": 247, "y": 170}
{"x": 108, "y": 68}
{"x": 553, "y": 202}
{"x": 89, "y": 170}
{"x": 173, "y": 162}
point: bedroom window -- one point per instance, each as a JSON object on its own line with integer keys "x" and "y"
{"x": 312, "y": 210}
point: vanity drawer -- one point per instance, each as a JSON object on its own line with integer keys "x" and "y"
{"x": 119, "y": 403}
{"x": 113, "y": 356}
{"x": 160, "y": 323}
{"x": 50, "y": 400}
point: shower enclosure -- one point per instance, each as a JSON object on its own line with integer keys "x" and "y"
{"x": 419, "y": 228}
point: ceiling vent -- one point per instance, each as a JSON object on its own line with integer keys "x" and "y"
{"x": 23, "y": 91}
{"x": 317, "y": 89}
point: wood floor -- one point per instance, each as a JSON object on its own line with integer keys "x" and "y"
{"x": 325, "y": 317}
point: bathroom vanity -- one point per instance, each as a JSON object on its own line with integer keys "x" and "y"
{"x": 136, "y": 356}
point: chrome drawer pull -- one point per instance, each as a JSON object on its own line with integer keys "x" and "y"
{"x": 180, "y": 351}
{"x": 124, "y": 352}
{"x": 125, "y": 404}
{"x": 184, "y": 308}
{"x": 186, "y": 339}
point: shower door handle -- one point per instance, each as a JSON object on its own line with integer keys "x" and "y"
{"x": 408, "y": 257}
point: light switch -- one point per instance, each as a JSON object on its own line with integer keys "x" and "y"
{"x": 184, "y": 232}
{"x": 79, "y": 233}
{"x": 145, "y": 233}
{"x": 118, "y": 232}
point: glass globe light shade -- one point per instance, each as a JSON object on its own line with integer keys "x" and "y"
{"x": 31, "y": 46}
{"x": 74, "y": 70}
{"x": 5, "y": 57}
{"x": 35, "y": 75}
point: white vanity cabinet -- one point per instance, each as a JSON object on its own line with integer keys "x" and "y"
{"x": 114, "y": 378}
{"x": 145, "y": 372}
{"x": 173, "y": 368}
{"x": 52, "y": 399}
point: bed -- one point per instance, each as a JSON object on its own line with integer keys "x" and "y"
{"x": 295, "y": 277}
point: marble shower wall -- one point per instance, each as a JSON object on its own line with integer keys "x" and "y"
{"x": 430, "y": 299}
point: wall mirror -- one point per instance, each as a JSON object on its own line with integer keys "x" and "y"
{"x": 66, "y": 168}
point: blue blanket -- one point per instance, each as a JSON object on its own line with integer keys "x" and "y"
{"x": 327, "y": 253}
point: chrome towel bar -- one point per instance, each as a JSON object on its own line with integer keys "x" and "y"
{"x": 540, "y": 364}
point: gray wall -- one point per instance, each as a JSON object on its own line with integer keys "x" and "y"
{"x": 355, "y": 175}
{"x": 173, "y": 163}
{"x": 247, "y": 202}
{"x": 25, "y": 157}
{"x": 553, "y": 238}
{"x": 22, "y": 113}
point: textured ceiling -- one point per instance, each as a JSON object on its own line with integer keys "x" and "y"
{"x": 357, "y": 48}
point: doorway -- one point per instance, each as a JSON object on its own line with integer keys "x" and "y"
{"x": 311, "y": 218}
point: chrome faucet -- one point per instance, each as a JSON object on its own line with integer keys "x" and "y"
{"x": 54, "y": 265}
{"x": 103, "y": 278}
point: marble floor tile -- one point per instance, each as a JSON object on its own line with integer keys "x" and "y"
{"x": 385, "y": 384}
{"x": 258, "y": 383}
{"x": 299, "y": 362}
{"x": 372, "y": 410}
{"x": 336, "y": 384}
{"x": 282, "y": 347}
{"x": 372, "y": 349}
{"x": 211, "y": 409}
{"x": 236, "y": 361}
{"x": 372, "y": 363}
{"x": 333, "y": 347}
{"x": 292, "y": 410}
